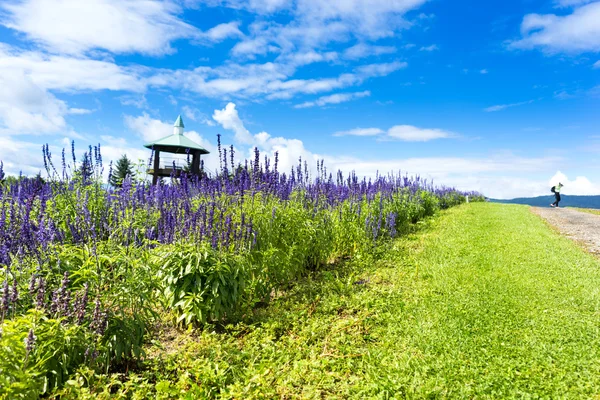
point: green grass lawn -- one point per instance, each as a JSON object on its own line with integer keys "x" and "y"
{"x": 485, "y": 301}
{"x": 588, "y": 210}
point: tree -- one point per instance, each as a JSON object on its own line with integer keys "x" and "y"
{"x": 123, "y": 169}
{"x": 85, "y": 171}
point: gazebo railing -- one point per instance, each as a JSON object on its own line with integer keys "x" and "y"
{"x": 166, "y": 162}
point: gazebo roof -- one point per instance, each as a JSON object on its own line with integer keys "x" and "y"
{"x": 179, "y": 122}
{"x": 176, "y": 144}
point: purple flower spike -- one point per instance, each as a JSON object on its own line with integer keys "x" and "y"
{"x": 30, "y": 341}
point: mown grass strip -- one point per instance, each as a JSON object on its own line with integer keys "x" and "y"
{"x": 486, "y": 302}
{"x": 588, "y": 210}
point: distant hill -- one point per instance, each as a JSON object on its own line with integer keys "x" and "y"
{"x": 566, "y": 201}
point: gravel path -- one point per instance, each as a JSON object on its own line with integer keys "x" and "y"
{"x": 580, "y": 226}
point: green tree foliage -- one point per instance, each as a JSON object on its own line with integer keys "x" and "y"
{"x": 123, "y": 169}
{"x": 86, "y": 169}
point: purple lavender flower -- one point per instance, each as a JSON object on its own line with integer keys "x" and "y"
{"x": 41, "y": 293}
{"x": 55, "y": 302}
{"x": 15, "y": 293}
{"x": 81, "y": 305}
{"x": 30, "y": 341}
{"x": 32, "y": 285}
{"x": 99, "y": 320}
{"x": 5, "y": 298}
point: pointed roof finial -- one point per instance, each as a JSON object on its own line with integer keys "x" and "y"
{"x": 179, "y": 122}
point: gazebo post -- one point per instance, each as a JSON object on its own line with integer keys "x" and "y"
{"x": 156, "y": 164}
{"x": 196, "y": 163}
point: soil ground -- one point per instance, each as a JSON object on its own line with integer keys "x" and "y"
{"x": 579, "y": 226}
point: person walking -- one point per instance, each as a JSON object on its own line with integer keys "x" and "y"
{"x": 556, "y": 190}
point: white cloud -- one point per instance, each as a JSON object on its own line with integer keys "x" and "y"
{"x": 307, "y": 57}
{"x": 270, "y": 80}
{"x": 483, "y": 71}
{"x": 360, "y": 132}
{"x": 383, "y": 69}
{"x": 138, "y": 101}
{"x": 223, "y": 31}
{"x": 11, "y": 154}
{"x": 257, "y": 6}
{"x": 362, "y": 50}
{"x": 571, "y": 3}
{"x": 228, "y": 118}
{"x": 501, "y": 107}
{"x": 119, "y": 26}
{"x": 70, "y": 73}
{"x": 79, "y": 111}
{"x": 195, "y": 115}
{"x": 148, "y": 128}
{"x": 407, "y": 133}
{"x": 410, "y": 133}
{"x": 498, "y": 175}
{"x": 580, "y": 185}
{"x": 316, "y": 23}
{"x": 573, "y": 33}
{"x": 25, "y": 108}
{"x": 288, "y": 150}
{"x": 597, "y": 65}
{"x": 334, "y": 99}
{"x": 432, "y": 47}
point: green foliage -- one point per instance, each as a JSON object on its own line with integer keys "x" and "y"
{"x": 56, "y": 351}
{"x": 483, "y": 302}
{"x": 142, "y": 284}
{"x": 200, "y": 284}
{"x": 122, "y": 169}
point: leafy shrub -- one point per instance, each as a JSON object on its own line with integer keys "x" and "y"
{"x": 200, "y": 283}
{"x": 37, "y": 354}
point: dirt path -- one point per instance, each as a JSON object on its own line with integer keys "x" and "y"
{"x": 580, "y": 226}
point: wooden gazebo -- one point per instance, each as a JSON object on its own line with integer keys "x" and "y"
{"x": 176, "y": 143}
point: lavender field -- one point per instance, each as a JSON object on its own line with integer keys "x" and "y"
{"x": 88, "y": 270}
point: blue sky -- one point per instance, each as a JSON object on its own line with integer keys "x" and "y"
{"x": 499, "y": 96}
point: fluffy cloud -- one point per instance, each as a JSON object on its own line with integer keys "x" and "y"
{"x": 410, "y": 133}
{"x": 195, "y": 115}
{"x": 573, "y": 33}
{"x": 11, "y": 154}
{"x": 70, "y": 73}
{"x": 222, "y": 32}
{"x": 407, "y": 133}
{"x": 27, "y": 78}
{"x": 362, "y": 50}
{"x": 228, "y": 118}
{"x": 288, "y": 150}
{"x": 597, "y": 64}
{"x": 571, "y": 3}
{"x": 334, "y": 99}
{"x": 360, "y": 132}
{"x": 119, "y": 26}
{"x": 498, "y": 175}
{"x": 148, "y": 128}
{"x": 270, "y": 80}
{"x": 433, "y": 47}
{"x": 316, "y": 23}
{"x": 580, "y": 185}
{"x": 501, "y": 107}
{"x": 25, "y": 108}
